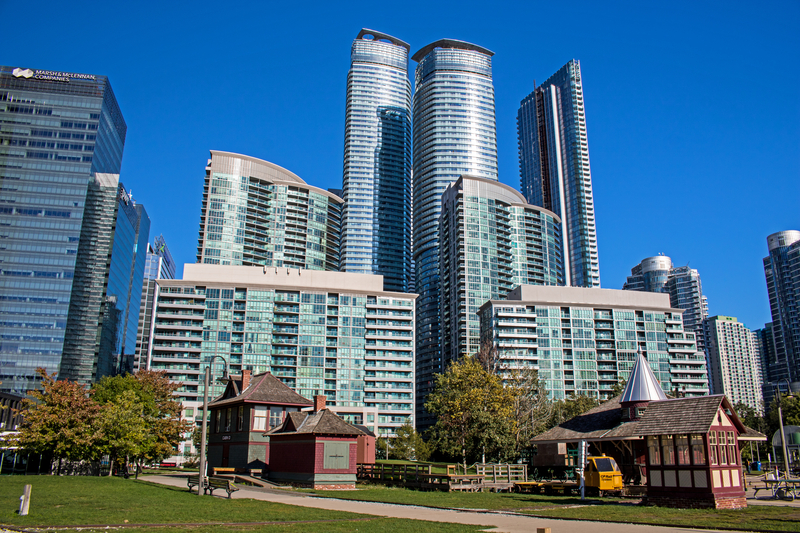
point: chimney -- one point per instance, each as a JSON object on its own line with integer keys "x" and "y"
{"x": 246, "y": 379}
{"x": 319, "y": 403}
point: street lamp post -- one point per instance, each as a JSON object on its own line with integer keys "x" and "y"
{"x": 780, "y": 422}
{"x": 206, "y": 382}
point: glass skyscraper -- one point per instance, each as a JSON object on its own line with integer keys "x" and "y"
{"x": 256, "y": 213}
{"x": 454, "y": 134}
{"x": 492, "y": 240}
{"x": 782, "y": 270}
{"x": 554, "y": 167}
{"x": 57, "y": 129}
{"x": 158, "y": 265}
{"x": 376, "y": 185}
{"x": 107, "y": 288}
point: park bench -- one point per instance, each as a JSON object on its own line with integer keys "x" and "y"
{"x": 192, "y": 481}
{"x": 214, "y": 483}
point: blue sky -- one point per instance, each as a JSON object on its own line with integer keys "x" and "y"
{"x": 693, "y": 108}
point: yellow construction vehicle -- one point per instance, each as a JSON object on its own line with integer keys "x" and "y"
{"x": 601, "y": 475}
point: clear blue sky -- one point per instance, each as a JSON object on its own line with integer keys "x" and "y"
{"x": 693, "y": 108}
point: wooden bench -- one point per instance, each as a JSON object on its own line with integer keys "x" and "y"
{"x": 214, "y": 483}
{"x": 192, "y": 481}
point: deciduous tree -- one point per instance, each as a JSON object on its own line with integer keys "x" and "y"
{"x": 408, "y": 445}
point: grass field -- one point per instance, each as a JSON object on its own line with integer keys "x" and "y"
{"x": 102, "y": 501}
{"x": 754, "y": 518}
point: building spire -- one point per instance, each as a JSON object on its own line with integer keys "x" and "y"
{"x": 642, "y": 384}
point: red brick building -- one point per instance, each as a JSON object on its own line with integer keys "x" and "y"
{"x": 315, "y": 449}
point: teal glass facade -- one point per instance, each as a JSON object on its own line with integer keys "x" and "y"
{"x": 491, "y": 242}
{"x": 454, "y": 134}
{"x": 554, "y": 167}
{"x": 256, "y": 213}
{"x": 376, "y": 184}
{"x": 57, "y": 130}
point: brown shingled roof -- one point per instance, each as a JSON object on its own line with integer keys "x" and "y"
{"x": 324, "y": 422}
{"x": 263, "y": 388}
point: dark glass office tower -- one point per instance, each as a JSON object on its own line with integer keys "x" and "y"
{"x": 454, "y": 134}
{"x": 782, "y": 270}
{"x": 554, "y": 167}
{"x": 57, "y": 129}
{"x": 376, "y": 182}
{"x": 107, "y": 289}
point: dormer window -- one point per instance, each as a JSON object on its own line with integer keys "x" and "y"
{"x": 640, "y": 411}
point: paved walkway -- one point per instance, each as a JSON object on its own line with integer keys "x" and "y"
{"x": 496, "y": 521}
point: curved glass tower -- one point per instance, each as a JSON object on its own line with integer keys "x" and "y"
{"x": 376, "y": 183}
{"x": 256, "y": 213}
{"x": 454, "y": 134}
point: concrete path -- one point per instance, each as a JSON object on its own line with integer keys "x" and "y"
{"x": 496, "y": 521}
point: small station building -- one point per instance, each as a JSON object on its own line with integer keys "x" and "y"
{"x": 240, "y": 419}
{"x": 685, "y": 449}
{"x": 316, "y": 449}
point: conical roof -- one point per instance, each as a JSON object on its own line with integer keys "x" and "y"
{"x": 642, "y": 384}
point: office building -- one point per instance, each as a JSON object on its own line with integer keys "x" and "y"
{"x": 57, "y": 129}
{"x": 657, "y": 274}
{"x": 332, "y": 333}
{"x": 454, "y": 134}
{"x": 584, "y": 341}
{"x": 107, "y": 287}
{"x": 256, "y": 213}
{"x": 158, "y": 265}
{"x": 554, "y": 167}
{"x": 733, "y": 361}
{"x": 376, "y": 184}
{"x": 492, "y": 240}
{"x": 782, "y": 270}
{"x": 765, "y": 344}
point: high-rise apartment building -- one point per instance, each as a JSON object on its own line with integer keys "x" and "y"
{"x": 107, "y": 287}
{"x": 583, "y": 341}
{"x": 554, "y": 167}
{"x": 256, "y": 213}
{"x": 657, "y": 274}
{"x": 491, "y": 240}
{"x": 733, "y": 361}
{"x": 454, "y": 134}
{"x": 57, "y": 129}
{"x": 376, "y": 184}
{"x": 765, "y": 344}
{"x": 333, "y": 333}
{"x": 782, "y": 270}
{"x": 158, "y": 265}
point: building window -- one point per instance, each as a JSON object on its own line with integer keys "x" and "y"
{"x": 259, "y": 418}
{"x": 228, "y": 414}
{"x": 275, "y": 417}
{"x": 712, "y": 447}
{"x": 698, "y": 450}
{"x": 668, "y": 449}
{"x": 682, "y": 445}
{"x": 652, "y": 446}
{"x": 240, "y": 418}
{"x": 732, "y": 459}
{"x": 219, "y": 420}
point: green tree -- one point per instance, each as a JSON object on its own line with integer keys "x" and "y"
{"x": 124, "y": 428}
{"x": 475, "y": 413}
{"x": 618, "y": 388}
{"x": 408, "y": 445}
{"x": 58, "y": 419}
{"x": 752, "y": 419}
{"x": 160, "y": 410}
{"x": 569, "y": 408}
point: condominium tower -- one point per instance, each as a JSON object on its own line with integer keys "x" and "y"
{"x": 158, "y": 265}
{"x": 782, "y": 270}
{"x": 257, "y": 213}
{"x": 657, "y": 274}
{"x": 733, "y": 361}
{"x": 492, "y": 240}
{"x": 57, "y": 130}
{"x": 376, "y": 185}
{"x": 584, "y": 341}
{"x": 454, "y": 134}
{"x": 554, "y": 167}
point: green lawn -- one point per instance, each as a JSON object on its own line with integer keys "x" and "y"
{"x": 81, "y": 501}
{"x": 754, "y": 518}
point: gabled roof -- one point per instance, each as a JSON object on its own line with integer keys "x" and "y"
{"x": 263, "y": 388}
{"x": 323, "y": 422}
{"x": 642, "y": 384}
{"x": 678, "y": 415}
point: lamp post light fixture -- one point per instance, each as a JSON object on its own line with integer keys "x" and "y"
{"x": 206, "y": 381}
{"x": 780, "y": 421}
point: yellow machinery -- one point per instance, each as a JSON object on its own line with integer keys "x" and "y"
{"x": 602, "y": 475}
